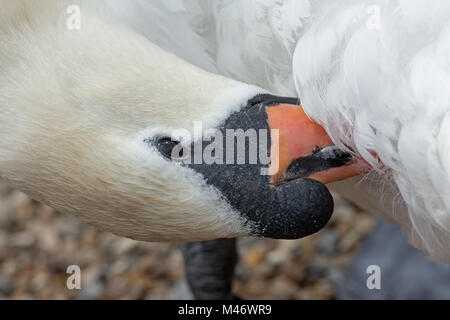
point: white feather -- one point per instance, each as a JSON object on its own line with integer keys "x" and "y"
{"x": 375, "y": 74}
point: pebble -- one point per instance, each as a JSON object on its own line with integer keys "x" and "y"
{"x": 37, "y": 244}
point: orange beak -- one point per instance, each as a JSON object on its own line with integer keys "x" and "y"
{"x": 304, "y": 149}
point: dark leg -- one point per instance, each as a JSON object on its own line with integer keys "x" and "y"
{"x": 209, "y": 267}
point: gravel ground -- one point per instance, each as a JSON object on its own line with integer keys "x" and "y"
{"x": 37, "y": 244}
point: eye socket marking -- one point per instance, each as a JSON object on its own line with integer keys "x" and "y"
{"x": 166, "y": 146}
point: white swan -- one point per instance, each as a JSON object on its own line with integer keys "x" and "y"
{"x": 74, "y": 104}
{"x": 375, "y": 74}
{"x": 85, "y": 119}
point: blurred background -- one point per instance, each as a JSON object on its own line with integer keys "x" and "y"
{"x": 37, "y": 244}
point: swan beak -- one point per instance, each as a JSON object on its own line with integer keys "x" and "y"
{"x": 284, "y": 196}
{"x": 304, "y": 149}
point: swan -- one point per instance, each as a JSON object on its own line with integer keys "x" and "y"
{"x": 86, "y": 112}
{"x": 374, "y": 74}
{"x": 87, "y": 120}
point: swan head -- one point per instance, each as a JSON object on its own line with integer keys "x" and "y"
{"x": 137, "y": 142}
{"x": 267, "y": 162}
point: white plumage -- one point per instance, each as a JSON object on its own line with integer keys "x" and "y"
{"x": 375, "y": 74}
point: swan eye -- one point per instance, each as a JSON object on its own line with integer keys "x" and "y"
{"x": 166, "y": 146}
